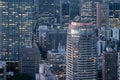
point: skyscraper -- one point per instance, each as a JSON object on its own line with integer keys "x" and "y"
{"x": 102, "y": 15}
{"x": 88, "y": 9}
{"x": 29, "y": 61}
{"x": 103, "y": 18}
{"x": 74, "y": 8}
{"x": 81, "y": 56}
{"x": 64, "y": 12}
{"x": 56, "y": 37}
{"x": 109, "y": 62}
{"x": 16, "y": 26}
{"x": 114, "y": 14}
{"x": 46, "y": 11}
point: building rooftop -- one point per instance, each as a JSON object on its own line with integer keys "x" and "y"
{"x": 56, "y": 52}
{"x": 81, "y": 23}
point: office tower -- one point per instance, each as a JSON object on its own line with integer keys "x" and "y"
{"x": 64, "y": 12}
{"x": 109, "y": 65}
{"x": 74, "y": 8}
{"x": 29, "y": 60}
{"x": 54, "y": 37}
{"x": 2, "y": 70}
{"x": 16, "y": 26}
{"x": 88, "y": 10}
{"x": 81, "y": 55}
{"x": 46, "y": 12}
{"x": 12, "y": 68}
{"x": 102, "y": 15}
{"x": 57, "y": 11}
{"x": 118, "y": 65}
{"x": 114, "y": 14}
{"x": 103, "y": 18}
{"x": 42, "y": 30}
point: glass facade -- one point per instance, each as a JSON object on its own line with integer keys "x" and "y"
{"x": 103, "y": 19}
{"x": 46, "y": 11}
{"x": 88, "y": 9}
{"x": 16, "y": 25}
{"x": 114, "y": 14}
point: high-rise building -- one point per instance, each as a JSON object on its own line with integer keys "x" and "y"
{"x": 64, "y": 12}
{"x": 54, "y": 37}
{"x": 102, "y": 18}
{"x": 29, "y": 61}
{"x": 46, "y": 12}
{"x": 16, "y": 26}
{"x": 57, "y": 11}
{"x": 102, "y": 15}
{"x": 81, "y": 55}
{"x": 74, "y": 8}
{"x": 114, "y": 14}
{"x": 42, "y": 30}
{"x": 88, "y": 10}
{"x": 109, "y": 65}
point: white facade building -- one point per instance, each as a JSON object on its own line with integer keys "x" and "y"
{"x": 81, "y": 55}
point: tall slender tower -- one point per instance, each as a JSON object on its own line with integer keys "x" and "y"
{"x": 103, "y": 19}
{"x": 64, "y": 12}
{"x": 81, "y": 56}
{"x": 16, "y": 26}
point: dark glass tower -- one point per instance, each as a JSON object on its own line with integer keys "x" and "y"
{"x": 46, "y": 11}
{"x": 16, "y": 26}
{"x": 114, "y": 14}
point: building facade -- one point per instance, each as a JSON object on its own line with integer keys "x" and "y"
{"x": 103, "y": 19}
{"x": 74, "y": 8}
{"x": 64, "y": 12}
{"x": 54, "y": 37}
{"x": 16, "y": 27}
{"x": 88, "y": 10}
{"x": 46, "y": 12}
{"x": 109, "y": 66}
{"x": 29, "y": 61}
{"x": 81, "y": 55}
{"x": 114, "y": 14}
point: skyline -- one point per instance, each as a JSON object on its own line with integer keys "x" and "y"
{"x": 69, "y": 39}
